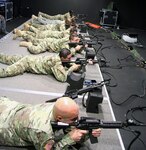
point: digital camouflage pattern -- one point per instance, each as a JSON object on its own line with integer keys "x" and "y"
{"x": 27, "y": 125}
{"x": 48, "y": 44}
{"x": 54, "y": 27}
{"x": 45, "y": 34}
{"x": 65, "y": 16}
{"x": 45, "y": 21}
{"x": 34, "y": 64}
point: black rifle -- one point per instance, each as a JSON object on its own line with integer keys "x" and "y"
{"x": 74, "y": 93}
{"x": 83, "y": 42}
{"x": 87, "y": 123}
{"x": 81, "y": 61}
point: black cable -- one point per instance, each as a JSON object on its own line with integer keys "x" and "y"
{"x": 130, "y": 112}
{"x": 137, "y": 134}
{"x": 133, "y": 110}
{"x": 97, "y": 50}
{"x": 130, "y": 57}
{"x": 140, "y": 109}
{"x": 133, "y": 95}
{"x": 110, "y": 75}
{"x": 120, "y": 66}
{"x": 134, "y": 139}
{"x": 100, "y": 49}
{"x": 106, "y": 47}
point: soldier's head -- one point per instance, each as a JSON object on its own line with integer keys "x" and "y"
{"x": 65, "y": 55}
{"x": 73, "y": 30}
{"x": 66, "y": 110}
{"x": 74, "y": 38}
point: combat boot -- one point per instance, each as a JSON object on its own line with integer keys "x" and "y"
{"x": 34, "y": 17}
{"x": 25, "y": 44}
{"x": 26, "y": 27}
{"x": 40, "y": 14}
{"x": 18, "y": 33}
{"x": 14, "y": 31}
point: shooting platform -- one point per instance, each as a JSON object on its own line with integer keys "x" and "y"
{"x": 34, "y": 89}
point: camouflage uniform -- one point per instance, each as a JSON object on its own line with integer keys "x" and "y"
{"x": 45, "y": 34}
{"x": 27, "y": 125}
{"x": 34, "y": 64}
{"x": 56, "y": 17}
{"x": 55, "y": 27}
{"x": 45, "y": 21}
{"x": 47, "y": 44}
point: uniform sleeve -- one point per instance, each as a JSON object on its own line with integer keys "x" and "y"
{"x": 59, "y": 72}
{"x": 63, "y": 143}
{"x": 40, "y": 139}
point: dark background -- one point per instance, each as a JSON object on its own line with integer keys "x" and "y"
{"x": 131, "y": 12}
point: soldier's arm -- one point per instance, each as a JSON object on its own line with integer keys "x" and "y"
{"x": 77, "y": 49}
{"x": 62, "y": 144}
{"x": 75, "y": 135}
{"x": 61, "y": 73}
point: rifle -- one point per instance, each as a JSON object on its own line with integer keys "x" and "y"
{"x": 74, "y": 93}
{"x": 87, "y": 123}
{"x": 81, "y": 61}
{"x": 83, "y": 42}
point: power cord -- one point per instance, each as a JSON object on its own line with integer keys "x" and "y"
{"x": 135, "y": 132}
{"x": 133, "y": 95}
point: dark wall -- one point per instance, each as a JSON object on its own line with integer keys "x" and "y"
{"x": 22, "y": 8}
{"x": 89, "y": 7}
{"x": 131, "y": 12}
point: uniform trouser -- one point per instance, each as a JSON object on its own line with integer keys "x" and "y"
{"x": 35, "y": 28}
{"x": 45, "y": 21}
{"x": 57, "y": 27}
{"x": 51, "y": 44}
{"x": 55, "y": 17}
{"x": 17, "y": 65}
{"x": 44, "y": 34}
{"x": 30, "y": 33}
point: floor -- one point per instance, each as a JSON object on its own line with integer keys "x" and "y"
{"x": 127, "y": 75}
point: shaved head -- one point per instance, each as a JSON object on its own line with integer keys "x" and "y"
{"x": 65, "y": 108}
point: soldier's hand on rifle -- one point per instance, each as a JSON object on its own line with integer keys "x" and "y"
{"x": 77, "y": 134}
{"x": 90, "y": 61}
{"x": 86, "y": 45}
{"x": 96, "y": 132}
{"x": 78, "y": 48}
{"x": 75, "y": 66}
